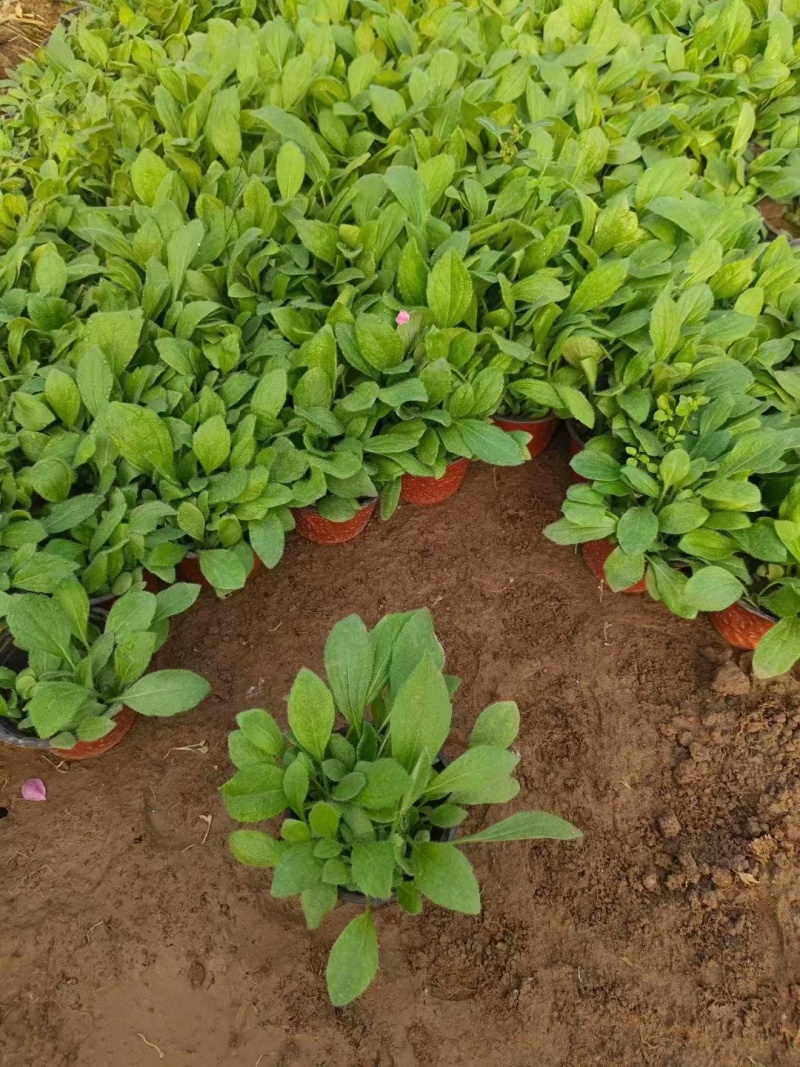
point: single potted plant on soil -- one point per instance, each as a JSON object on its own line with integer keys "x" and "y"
{"x": 766, "y": 618}
{"x": 371, "y": 809}
{"x": 72, "y": 680}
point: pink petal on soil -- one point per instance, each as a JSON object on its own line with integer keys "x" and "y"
{"x": 402, "y": 318}
{"x": 34, "y": 789}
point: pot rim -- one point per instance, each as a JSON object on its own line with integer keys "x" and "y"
{"x": 497, "y": 417}
{"x": 573, "y": 433}
{"x": 742, "y": 603}
{"x": 313, "y": 507}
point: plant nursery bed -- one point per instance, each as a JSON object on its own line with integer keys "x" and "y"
{"x": 667, "y": 937}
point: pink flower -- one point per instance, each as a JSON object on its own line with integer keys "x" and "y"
{"x": 402, "y": 318}
{"x": 34, "y": 789}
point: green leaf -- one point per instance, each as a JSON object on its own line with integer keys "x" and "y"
{"x": 497, "y": 725}
{"x": 211, "y": 443}
{"x": 353, "y": 961}
{"x": 291, "y": 128}
{"x": 476, "y": 769}
{"x": 56, "y": 706}
{"x": 255, "y": 848}
{"x": 242, "y": 753}
{"x": 449, "y": 290}
{"x": 681, "y": 517}
{"x": 778, "y": 650}
{"x": 296, "y": 870}
{"x": 320, "y": 238}
{"x": 445, "y": 876}
{"x": 637, "y": 530}
{"x": 324, "y": 819}
{"x": 665, "y": 325}
{"x": 525, "y": 826}
{"x": 490, "y": 444}
{"x": 349, "y": 661}
{"x": 255, "y": 793}
{"x": 222, "y": 125}
{"x": 596, "y": 466}
{"x": 261, "y": 730}
{"x": 117, "y": 334}
{"x": 165, "y": 693}
{"x": 37, "y": 624}
{"x": 295, "y": 785}
{"x": 95, "y": 380}
{"x": 311, "y": 713}
{"x": 267, "y": 538}
{"x": 378, "y": 342}
{"x": 183, "y": 246}
{"x": 147, "y": 173}
{"x": 599, "y": 286}
{"x": 622, "y": 570}
{"x": 134, "y": 611}
{"x": 386, "y": 782}
{"x": 141, "y": 438}
{"x": 410, "y": 190}
{"x": 420, "y": 715}
{"x": 223, "y": 569}
{"x": 95, "y": 727}
{"x": 270, "y": 394}
{"x": 132, "y": 655}
{"x": 350, "y": 786}
{"x": 373, "y": 868}
{"x": 712, "y": 589}
{"x": 317, "y": 903}
{"x": 290, "y": 170}
{"x": 175, "y": 599}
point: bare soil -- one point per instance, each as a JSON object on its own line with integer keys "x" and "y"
{"x": 667, "y": 938}
{"x": 24, "y": 26}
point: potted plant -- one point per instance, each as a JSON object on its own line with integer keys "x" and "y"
{"x": 371, "y": 807}
{"x": 766, "y": 618}
{"x": 665, "y": 519}
{"x": 73, "y": 681}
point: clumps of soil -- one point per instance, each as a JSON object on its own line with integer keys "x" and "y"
{"x": 735, "y": 817}
{"x": 25, "y": 25}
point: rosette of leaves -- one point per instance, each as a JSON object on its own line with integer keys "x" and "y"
{"x": 674, "y": 505}
{"x": 367, "y": 806}
{"x": 82, "y": 669}
{"x": 225, "y": 505}
{"x": 771, "y": 549}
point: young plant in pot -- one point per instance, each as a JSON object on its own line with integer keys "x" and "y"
{"x": 766, "y": 617}
{"x": 372, "y": 807}
{"x": 72, "y": 679}
{"x": 224, "y": 508}
{"x": 664, "y": 520}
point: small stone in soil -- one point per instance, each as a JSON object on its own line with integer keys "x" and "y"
{"x": 650, "y": 882}
{"x": 669, "y": 826}
{"x": 731, "y": 681}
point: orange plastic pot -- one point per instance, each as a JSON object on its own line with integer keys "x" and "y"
{"x": 742, "y": 626}
{"x": 426, "y": 491}
{"x": 541, "y": 431}
{"x": 189, "y": 570}
{"x": 315, "y": 527}
{"x": 595, "y": 554}
{"x": 124, "y": 721}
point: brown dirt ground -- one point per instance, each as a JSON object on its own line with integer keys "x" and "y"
{"x": 24, "y": 25}
{"x": 667, "y": 938}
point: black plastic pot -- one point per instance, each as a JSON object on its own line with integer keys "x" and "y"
{"x": 16, "y": 659}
